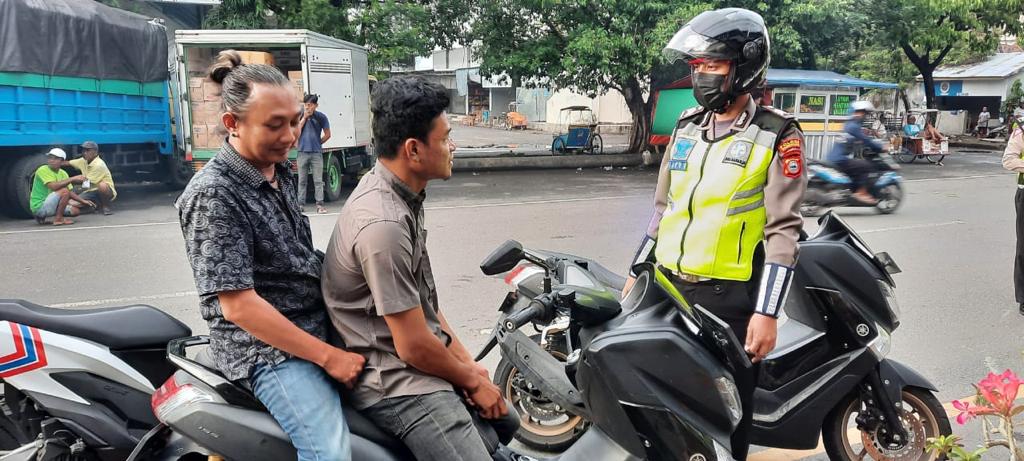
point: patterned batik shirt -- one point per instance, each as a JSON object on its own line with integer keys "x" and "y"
{"x": 242, "y": 233}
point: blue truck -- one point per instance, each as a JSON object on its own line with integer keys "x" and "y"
{"x": 73, "y": 71}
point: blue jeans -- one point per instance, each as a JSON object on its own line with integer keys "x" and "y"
{"x": 305, "y": 402}
{"x": 49, "y": 207}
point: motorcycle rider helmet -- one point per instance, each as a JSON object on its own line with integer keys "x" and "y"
{"x": 733, "y": 34}
{"x": 862, "y": 105}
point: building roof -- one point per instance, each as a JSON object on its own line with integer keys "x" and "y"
{"x": 797, "y": 77}
{"x": 999, "y": 65}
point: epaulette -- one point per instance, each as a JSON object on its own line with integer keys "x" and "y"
{"x": 771, "y": 119}
{"x": 691, "y": 113}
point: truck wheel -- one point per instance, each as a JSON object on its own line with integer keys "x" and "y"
{"x": 333, "y": 176}
{"x": 179, "y": 172}
{"x": 18, "y": 184}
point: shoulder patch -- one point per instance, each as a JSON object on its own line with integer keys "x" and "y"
{"x": 792, "y": 152}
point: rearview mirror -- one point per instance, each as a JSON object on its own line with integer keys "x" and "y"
{"x": 503, "y": 259}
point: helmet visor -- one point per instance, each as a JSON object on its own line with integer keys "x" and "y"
{"x": 688, "y": 45}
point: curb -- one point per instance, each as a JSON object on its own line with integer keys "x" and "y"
{"x": 544, "y": 162}
{"x": 979, "y": 145}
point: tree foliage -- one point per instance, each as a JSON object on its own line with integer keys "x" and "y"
{"x": 392, "y": 31}
{"x": 929, "y": 31}
{"x": 589, "y": 46}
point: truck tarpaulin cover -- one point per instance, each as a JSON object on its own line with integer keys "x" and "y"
{"x": 80, "y": 38}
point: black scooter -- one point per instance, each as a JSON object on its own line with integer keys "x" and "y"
{"x": 828, "y": 376}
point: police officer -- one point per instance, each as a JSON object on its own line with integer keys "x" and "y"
{"x": 1013, "y": 160}
{"x": 727, "y": 207}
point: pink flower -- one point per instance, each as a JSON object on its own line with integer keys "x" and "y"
{"x": 999, "y": 391}
{"x": 966, "y": 412}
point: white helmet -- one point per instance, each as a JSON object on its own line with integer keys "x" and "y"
{"x": 862, "y": 105}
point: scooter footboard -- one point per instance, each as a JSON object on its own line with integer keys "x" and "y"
{"x": 542, "y": 370}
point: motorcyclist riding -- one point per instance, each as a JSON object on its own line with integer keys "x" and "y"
{"x": 842, "y": 154}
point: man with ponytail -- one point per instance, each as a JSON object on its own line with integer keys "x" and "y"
{"x": 256, "y": 271}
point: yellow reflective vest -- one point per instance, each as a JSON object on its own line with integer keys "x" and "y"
{"x": 715, "y": 216}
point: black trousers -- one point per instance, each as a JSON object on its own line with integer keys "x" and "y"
{"x": 733, "y": 302}
{"x": 1018, "y": 264}
{"x": 858, "y": 170}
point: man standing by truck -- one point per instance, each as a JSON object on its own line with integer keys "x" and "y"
{"x": 316, "y": 130}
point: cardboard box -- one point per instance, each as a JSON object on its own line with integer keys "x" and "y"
{"x": 215, "y": 135}
{"x": 257, "y": 57}
{"x": 195, "y": 95}
{"x": 200, "y": 137}
{"x": 211, "y": 91}
{"x": 199, "y": 61}
{"x": 295, "y": 75}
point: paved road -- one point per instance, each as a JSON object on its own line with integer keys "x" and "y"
{"x": 953, "y": 238}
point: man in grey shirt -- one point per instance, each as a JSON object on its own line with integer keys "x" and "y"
{"x": 380, "y": 293}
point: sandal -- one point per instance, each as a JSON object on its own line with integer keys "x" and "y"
{"x": 65, "y": 222}
{"x": 321, "y": 210}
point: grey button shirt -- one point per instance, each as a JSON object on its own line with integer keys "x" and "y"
{"x": 376, "y": 265}
{"x": 241, "y": 233}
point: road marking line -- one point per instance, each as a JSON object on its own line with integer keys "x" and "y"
{"x": 72, "y": 228}
{"x": 312, "y": 215}
{"x": 127, "y": 300}
{"x": 980, "y": 176}
{"x": 911, "y": 227}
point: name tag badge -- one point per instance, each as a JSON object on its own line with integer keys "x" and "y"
{"x": 738, "y": 153}
{"x": 680, "y": 152}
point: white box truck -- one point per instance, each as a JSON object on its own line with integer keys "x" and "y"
{"x": 334, "y": 69}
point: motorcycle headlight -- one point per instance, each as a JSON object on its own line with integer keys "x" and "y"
{"x": 890, "y": 298}
{"x": 731, "y": 398}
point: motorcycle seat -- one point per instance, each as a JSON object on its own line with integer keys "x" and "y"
{"x": 137, "y": 326}
{"x": 357, "y": 423}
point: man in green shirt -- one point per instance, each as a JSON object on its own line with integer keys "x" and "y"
{"x": 51, "y": 191}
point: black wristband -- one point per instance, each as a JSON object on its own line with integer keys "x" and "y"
{"x": 645, "y": 253}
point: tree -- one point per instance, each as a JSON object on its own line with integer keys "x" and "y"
{"x": 392, "y": 31}
{"x": 809, "y": 35}
{"x": 589, "y": 46}
{"x": 928, "y": 30}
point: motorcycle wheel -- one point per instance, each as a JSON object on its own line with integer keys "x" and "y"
{"x": 936, "y": 158}
{"x": 922, "y": 415}
{"x": 889, "y": 199}
{"x": 544, "y": 426}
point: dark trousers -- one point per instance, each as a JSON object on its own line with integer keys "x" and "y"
{"x": 439, "y": 426}
{"x": 857, "y": 169}
{"x": 1018, "y": 264}
{"x": 733, "y": 302}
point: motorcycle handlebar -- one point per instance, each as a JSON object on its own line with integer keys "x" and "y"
{"x": 517, "y": 319}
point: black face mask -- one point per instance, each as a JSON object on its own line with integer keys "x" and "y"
{"x": 707, "y": 89}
